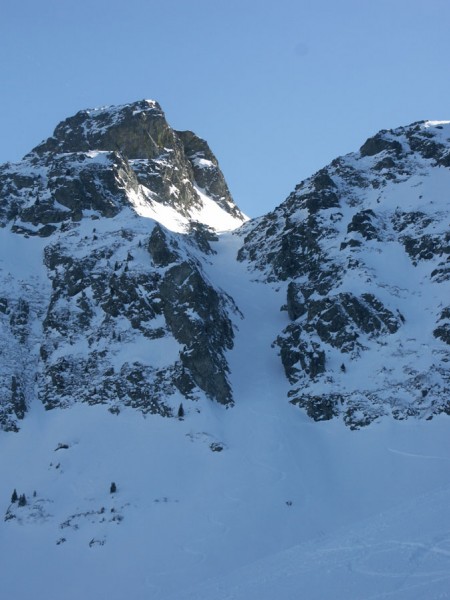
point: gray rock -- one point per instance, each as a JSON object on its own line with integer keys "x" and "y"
{"x": 379, "y": 143}
{"x": 196, "y": 315}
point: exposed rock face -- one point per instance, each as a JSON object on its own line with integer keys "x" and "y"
{"x": 111, "y": 287}
{"x": 185, "y": 291}
{"x": 206, "y": 171}
{"x": 116, "y": 300}
{"x": 137, "y": 130}
{"x": 362, "y": 248}
{"x": 443, "y": 329}
{"x": 379, "y": 143}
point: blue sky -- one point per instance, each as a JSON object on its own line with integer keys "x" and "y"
{"x": 278, "y": 89}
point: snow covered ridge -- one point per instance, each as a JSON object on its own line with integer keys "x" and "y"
{"x": 362, "y": 250}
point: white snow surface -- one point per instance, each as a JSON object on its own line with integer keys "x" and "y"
{"x": 212, "y": 215}
{"x": 288, "y": 509}
{"x": 208, "y": 212}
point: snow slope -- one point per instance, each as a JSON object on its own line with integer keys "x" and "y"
{"x": 288, "y": 508}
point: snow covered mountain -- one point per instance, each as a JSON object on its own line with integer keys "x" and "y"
{"x": 113, "y": 308}
{"x": 363, "y": 248}
{"x": 302, "y": 356}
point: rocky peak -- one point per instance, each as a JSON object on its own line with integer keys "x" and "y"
{"x": 140, "y": 133}
{"x": 109, "y": 158}
{"x": 429, "y": 139}
{"x": 138, "y": 130}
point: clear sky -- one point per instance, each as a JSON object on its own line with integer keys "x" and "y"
{"x": 277, "y": 88}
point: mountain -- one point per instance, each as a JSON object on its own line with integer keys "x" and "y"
{"x": 362, "y": 248}
{"x": 113, "y": 308}
{"x": 199, "y": 405}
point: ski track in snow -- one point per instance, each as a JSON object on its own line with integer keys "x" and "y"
{"x": 353, "y": 564}
{"x": 423, "y": 456}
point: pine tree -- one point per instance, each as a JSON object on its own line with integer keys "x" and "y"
{"x": 14, "y": 496}
{"x": 22, "y": 500}
{"x": 180, "y": 411}
{"x": 112, "y": 488}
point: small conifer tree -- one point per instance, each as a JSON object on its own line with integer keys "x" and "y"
{"x": 14, "y": 496}
{"x": 22, "y": 500}
{"x": 113, "y": 488}
{"x": 180, "y": 411}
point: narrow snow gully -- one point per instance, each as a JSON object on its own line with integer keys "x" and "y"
{"x": 256, "y": 371}
{"x": 285, "y": 467}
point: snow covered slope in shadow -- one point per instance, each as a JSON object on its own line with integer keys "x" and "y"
{"x": 401, "y": 554}
{"x": 257, "y": 501}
